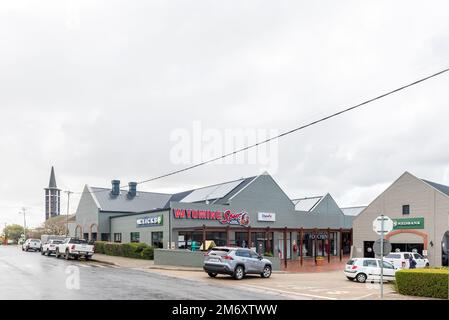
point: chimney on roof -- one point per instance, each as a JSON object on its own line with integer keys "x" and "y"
{"x": 115, "y": 187}
{"x": 132, "y": 192}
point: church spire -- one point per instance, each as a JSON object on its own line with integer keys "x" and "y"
{"x": 52, "y": 184}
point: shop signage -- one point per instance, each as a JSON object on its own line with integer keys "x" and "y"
{"x": 408, "y": 223}
{"x": 150, "y": 221}
{"x": 266, "y": 216}
{"x": 223, "y": 217}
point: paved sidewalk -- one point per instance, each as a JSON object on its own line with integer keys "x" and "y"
{"x": 331, "y": 285}
{"x": 138, "y": 263}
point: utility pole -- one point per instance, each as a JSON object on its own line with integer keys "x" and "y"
{"x": 68, "y": 211}
{"x": 24, "y": 222}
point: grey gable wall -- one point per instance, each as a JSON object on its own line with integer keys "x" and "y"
{"x": 266, "y": 193}
{"x": 87, "y": 211}
{"x": 330, "y": 214}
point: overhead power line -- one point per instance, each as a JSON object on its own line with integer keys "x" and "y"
{"x": 302, "y": 127}
{"x": 297, "y": 129}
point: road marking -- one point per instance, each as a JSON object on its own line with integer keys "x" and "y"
{"x": 290, "y": 293}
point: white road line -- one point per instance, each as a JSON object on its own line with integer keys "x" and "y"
{"x": 290, "y": 293}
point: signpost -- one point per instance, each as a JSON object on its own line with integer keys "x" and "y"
{"x": 382, "y": 225}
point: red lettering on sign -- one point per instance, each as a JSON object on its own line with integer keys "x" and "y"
{"x": 179, "y": 214}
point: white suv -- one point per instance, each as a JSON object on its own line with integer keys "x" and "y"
{"x": 363, "y": 269}
{"x": 31, "y": 244}
{"x": 401, "y": 259}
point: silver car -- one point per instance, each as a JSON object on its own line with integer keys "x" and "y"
{"x": 236, "y": 262}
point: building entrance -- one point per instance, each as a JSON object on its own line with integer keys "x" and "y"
{"x": 407, "y": 247}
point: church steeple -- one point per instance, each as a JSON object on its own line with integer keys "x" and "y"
{"x": 52, "y": 184}
{"x": 52, "y": 197}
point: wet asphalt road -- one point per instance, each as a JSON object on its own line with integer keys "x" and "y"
{"x": 29, "y": 275}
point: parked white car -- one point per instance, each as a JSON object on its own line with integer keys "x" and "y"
{"x": 401, "y": 260}
{"x": 368, "y": 269}
{"x": 31, "y": 244}
{"x": 74, "y": 248}
{"x": 49, "y": 247}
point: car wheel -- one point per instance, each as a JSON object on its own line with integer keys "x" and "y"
{"x": 67, "y": 255}
{"x": 266, "y": 272}
{"x": 42, "y": 252}
{"x": 427, "y": 264}
{"x": 57, "y": 254}
{"x": 212, "y": 275}
{"x": 239, "y": 273}
{"x": 361, "y": 277}
{"x": 48, "y": 253}
{"x": 87, "y": 257}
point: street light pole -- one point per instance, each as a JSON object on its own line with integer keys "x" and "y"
{"x": 68, "y": 212}
{"x": 24, "y": 222}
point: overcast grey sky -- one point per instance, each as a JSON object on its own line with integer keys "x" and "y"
{"x": 96, "y": 88}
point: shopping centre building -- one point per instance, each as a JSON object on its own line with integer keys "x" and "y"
{"x": 420, "y": 212}
{"x": 250, "y": 212}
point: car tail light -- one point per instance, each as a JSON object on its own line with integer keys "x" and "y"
{"x": 354, "y": 267}
{"x": 228, "y": 258}
{"x": 73, "y": 247}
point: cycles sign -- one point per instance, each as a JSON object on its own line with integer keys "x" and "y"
{"x": 223, "y": 217}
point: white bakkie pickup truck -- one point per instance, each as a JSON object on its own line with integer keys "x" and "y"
{"x": 74, "y": 248}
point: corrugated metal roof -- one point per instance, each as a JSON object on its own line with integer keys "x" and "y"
{"x": 211, "y": 192}
{"x": 306, "y": 204}
{"x": 143, "y": 201}
{"x": 353, "y": 211}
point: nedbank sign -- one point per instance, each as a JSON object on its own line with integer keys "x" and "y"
{"x": 408, "y": 223}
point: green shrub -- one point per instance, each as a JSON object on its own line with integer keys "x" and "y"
{"x": 429, "y": 282}
{"x": 148, "y": 253}
{"x": 99, "y": 246}
{"x": 128, "y": 250}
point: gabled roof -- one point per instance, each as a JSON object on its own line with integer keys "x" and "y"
{"x": 353, "y": 211}
{"x": 217, "y": 193}
{"x": 440, "y": 187}
{"x": 143, "y": 201}
{"x": 307, "y": 204}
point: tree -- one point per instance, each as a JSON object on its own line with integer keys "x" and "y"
{"x": 13, "y": 232}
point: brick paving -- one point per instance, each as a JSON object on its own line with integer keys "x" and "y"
{"x": 310, "y": 266}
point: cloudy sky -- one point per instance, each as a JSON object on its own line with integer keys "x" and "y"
{"x": 101, "y": 90}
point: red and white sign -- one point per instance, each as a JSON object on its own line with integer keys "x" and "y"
{"x": 266, "y": 216}
{"x": 224, "y": 217}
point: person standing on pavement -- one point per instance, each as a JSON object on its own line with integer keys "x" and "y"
{"x": 412, "y": 262}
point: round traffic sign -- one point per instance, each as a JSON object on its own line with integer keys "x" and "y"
{"x": 377, "y": 247}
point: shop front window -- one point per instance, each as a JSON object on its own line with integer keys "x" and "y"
{"x": 135, "y": 237}
{"x": 157, "y": 240}
{"x": 189, "y": 239}
{"x": 259, "y": 241}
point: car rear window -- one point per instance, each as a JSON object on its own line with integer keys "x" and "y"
{"x": 219, "y": 252}
{"x": 394, "y": 256}
{"x": 56, "y": 241}
{"x": 350, "y": 262}
{"x": 78, "y": 241}
{"x": 406, "y": 256}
